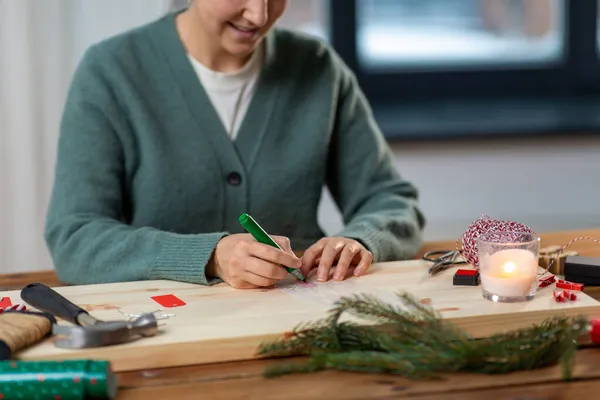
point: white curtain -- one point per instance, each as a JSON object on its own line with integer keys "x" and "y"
{"x": 41, "y": 42}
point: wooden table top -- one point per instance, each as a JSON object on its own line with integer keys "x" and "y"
{"x": 244, "y": 379}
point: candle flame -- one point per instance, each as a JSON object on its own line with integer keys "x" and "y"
{"x": 509, "y": 267}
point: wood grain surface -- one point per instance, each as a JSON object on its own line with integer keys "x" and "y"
{"x": 243, "y": 379}
{"x": 220, "y": 324}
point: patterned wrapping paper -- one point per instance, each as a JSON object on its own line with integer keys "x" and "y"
{"x": 57, "y": 380}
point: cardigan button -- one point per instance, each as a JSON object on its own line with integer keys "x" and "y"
{"x": 234, "y": 179}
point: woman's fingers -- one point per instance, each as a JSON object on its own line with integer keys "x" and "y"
{"x": 245, "y": 263}
{"x": 328, "y": 257}
{"x": 241, "y": 284}
{"x": 284, "y": 243}
{"x": 346, "y": 257}
{"x": 312, "y": 256}
{"x": 366, "y": 259}
{"x": 258, "y": 280}
{"x": 266, "y": 269}
{"x": 274, "y": 255}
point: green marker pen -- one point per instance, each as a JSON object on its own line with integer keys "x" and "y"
{"x": 263, "y": 237}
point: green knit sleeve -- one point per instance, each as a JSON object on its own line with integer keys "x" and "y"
{"x": 84, "y": 233}
{"x": 379, "y": 208}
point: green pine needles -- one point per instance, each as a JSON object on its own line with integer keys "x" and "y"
{"x": 415, "y": 342}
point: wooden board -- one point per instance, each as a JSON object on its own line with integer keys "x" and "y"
{"x": 220, "y": 323}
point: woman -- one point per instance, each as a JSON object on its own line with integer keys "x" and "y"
{"x": 172, "y": 130}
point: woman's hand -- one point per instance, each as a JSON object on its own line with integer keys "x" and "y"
{"x": 244, "y": 263}
{"x": 349, "y": 255}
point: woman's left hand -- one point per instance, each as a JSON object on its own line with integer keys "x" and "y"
{"x": 348, "y": 255}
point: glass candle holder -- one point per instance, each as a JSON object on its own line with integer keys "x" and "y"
{"x": 508, "y": 265}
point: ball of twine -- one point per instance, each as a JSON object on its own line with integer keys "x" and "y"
{"x": 19, "y": 330}
{"x": 504, "y": 230}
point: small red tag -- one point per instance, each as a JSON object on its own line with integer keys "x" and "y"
{"x": 466, "y": 272}
{"x": 168, "y": 300}
{"x": 5, "y": 302}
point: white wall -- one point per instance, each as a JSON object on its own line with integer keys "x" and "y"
{"x": 41, "y": 42}
{"x": 548, "y": 184}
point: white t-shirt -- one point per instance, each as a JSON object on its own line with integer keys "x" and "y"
{"x": 231, "y": 93}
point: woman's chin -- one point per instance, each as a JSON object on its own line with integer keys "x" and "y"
{"x": 240, "y": 50}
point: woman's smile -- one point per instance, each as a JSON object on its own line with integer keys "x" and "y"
{"x": 244, "y": 33}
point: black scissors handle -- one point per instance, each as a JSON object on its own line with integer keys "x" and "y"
{"x": 437, "y": 255}
{"x": 442, "y": 259}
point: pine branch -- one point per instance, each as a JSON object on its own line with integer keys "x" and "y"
{"x": 417, "y": 343}
{"x": 312, "y": 365}
{"x": 547, "y": 343}
{"x": 298, "y": 342}
{"x": 375, "y": 362}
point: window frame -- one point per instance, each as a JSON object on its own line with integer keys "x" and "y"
{"x": 574, "y": 78}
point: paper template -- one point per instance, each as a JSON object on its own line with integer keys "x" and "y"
{"x": 326, "y": 293}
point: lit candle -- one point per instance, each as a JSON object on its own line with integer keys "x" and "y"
{"x": 509, "y": 273}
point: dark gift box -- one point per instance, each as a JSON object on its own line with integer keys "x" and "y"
{"x": 584, "y": 270}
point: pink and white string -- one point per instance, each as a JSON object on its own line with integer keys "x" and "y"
{"x": 14, "y": 307}
{"x": 485, "y": 224}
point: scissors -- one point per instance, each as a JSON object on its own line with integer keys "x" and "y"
{"x": 442, "y": 259}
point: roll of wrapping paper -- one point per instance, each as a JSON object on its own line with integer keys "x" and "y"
{"x": 57, "y": 380}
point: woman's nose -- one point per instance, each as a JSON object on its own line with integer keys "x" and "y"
{"x": 257, "y": 12}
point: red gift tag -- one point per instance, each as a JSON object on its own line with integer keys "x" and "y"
{"x": 168, "y": 301}
{"x": 5, "y": 302}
